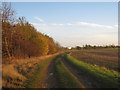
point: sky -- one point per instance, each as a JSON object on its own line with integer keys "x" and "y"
{"x": 73, "y": 23}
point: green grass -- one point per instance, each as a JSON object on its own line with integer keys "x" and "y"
{"x": 106, "y": 78}
{"x": 38, "y": 75}
{"x": 65, "y": 78}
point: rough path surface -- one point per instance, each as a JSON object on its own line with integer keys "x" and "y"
{"x": 48, "y": 79}
{"x": 51, "y": 78}
{"x": 83, "y": 78}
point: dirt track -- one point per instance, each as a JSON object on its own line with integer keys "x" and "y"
{"x": 50, "y": 79}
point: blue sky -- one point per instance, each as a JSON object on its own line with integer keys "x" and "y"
{"x": 73, "y": 23}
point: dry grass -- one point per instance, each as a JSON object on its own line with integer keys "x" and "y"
{"x": 11, "y": 78}
{"x": 14, "y": 73}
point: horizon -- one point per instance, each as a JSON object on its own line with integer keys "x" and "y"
{"x": 73, "y": 24}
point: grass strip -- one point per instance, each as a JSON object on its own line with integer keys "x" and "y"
{"x": 107, "y": 78}
{"x": 65, "y": 78}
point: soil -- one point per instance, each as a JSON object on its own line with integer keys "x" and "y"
{"x": 51, "y": 77}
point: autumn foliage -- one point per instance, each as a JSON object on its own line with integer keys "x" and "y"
{"x": 20, "y": 39}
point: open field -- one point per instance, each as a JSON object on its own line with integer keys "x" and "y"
{"x": 105, "y": 58}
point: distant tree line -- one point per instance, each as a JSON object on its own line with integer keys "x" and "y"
{"x": 95, "y": 47}
{"x": 20, "y": 39}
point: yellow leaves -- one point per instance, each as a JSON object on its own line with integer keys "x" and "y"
{"x": 27, "y": 42}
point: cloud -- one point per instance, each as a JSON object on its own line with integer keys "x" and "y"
{"x": 79, "y": 33}
{"x": 90, "y": 26}
{"x": 69, "y": 24}
{"x": 86, "y": 24}
{"x": 93, "y": 25}
{"x": 40, "y": 27}
{"x": 116, "y": 26}
{"x": 58, "y": 24}
{"x": 38, "y": 24}
{"x": 39, "y": 19}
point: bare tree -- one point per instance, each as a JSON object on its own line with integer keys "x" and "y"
{"x": 7, "y": 19}
{"x": 7, "y": 12}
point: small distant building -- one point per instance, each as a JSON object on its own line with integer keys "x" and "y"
{"x": 69, "y": 48}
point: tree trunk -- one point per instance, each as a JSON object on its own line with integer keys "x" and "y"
{"x": 7, "y": 49}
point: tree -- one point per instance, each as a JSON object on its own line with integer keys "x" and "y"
{"x": 78, "y": 47}
{"x": 7, "y": 12}
{"x": 21, "y": 39}
{"x": 7, "y": 18}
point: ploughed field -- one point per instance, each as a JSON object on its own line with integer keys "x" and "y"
{"x": 72, "y": 69}
{"x": 104, "y": 58}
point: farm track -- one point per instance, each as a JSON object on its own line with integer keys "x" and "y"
{"x": 49, "y": 78}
